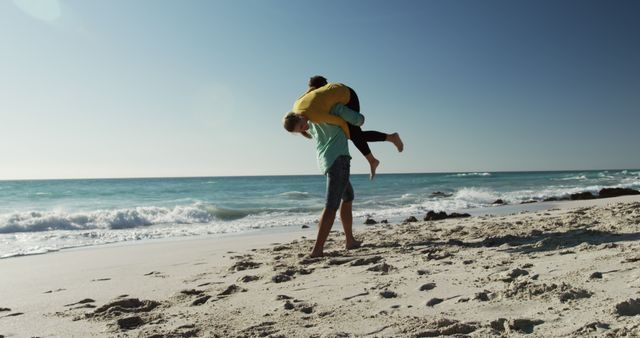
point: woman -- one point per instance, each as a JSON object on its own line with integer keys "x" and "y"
{"x": 315, "y": 106}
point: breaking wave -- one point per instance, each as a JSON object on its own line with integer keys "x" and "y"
{"x": 35, "y": 221}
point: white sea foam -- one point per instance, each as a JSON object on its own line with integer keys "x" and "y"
{"x": 117, "y": 219}
{"x": 295, "y": 195}
{"x": 605, "y": 175}
{"x": 476, "y": 195}
{"x": 571, "y": 178}
{"x": 471, "y": 174}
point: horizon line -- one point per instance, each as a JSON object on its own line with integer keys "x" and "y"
{"x": 283, "y": 175}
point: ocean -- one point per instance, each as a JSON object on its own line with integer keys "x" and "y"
{"x": 42, "y": 216}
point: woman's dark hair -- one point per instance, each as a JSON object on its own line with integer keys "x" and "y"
{"x": 317, "y": 81}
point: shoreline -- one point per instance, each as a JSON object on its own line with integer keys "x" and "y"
{"x": 463, "y": 258}
{"x": 496, "y": 210}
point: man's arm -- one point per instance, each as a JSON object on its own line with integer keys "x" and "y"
{"x": 351, "y": 116}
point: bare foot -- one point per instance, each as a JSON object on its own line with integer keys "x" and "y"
{"x": 395, "y": 139}
{"x": 354, "y": 245}
{"x": 315, "y": 255}
{"x": 374, "y": 165}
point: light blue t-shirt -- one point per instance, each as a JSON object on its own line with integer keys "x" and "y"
{"x": 331, "y": 142}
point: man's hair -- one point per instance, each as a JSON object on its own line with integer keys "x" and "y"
{"x": 317, "y": 81}
{"x": 290, "y": 121}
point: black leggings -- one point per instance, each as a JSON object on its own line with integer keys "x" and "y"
{"x": 359, "y": 137}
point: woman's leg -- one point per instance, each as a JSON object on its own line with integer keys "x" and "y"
{"x": 354, "y": 102}
{"x": 357, "y": 137}
{"x": 360, "y": 138}
{"x": 376, "y": 136}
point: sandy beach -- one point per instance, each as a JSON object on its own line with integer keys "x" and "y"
{"x": 570, "y": 270}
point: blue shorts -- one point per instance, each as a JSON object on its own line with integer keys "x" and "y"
{"x": 338, "y": 185}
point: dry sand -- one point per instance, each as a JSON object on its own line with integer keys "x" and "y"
{"x": 573, "y": 270}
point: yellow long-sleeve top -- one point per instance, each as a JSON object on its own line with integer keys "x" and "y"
{"x": 316, "y": 104}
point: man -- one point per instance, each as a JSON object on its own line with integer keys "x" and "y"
{"x": 334, "y": 161}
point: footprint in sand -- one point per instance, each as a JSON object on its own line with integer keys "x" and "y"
{"x": 383, "y": 267}
{"x": 264, "y": 329}
{"x": 244, "y": 265}
{"x": 127, "y": 305}
{"x": 573, "y": 294}
{"x": 299, "y": 306}
{"x": 15, "y": 314}
{"x": 156, "y": 274}
{"x": 52, "y": 291}
{"x": 201, "y": 297}
{"x": 130, "y": 323}
{"x": 340, "y": 260}
{"x": 439, "y": 327}
{"x": 248, "y": 278}
{"x": 83, "y": 304}
{"x": 201, "y": 300}
{"x": 231, "y": 289}
{"x": 592, "y": 327}
{"x": 281, "y": 278}
{"x": 481, "y": 296}
{"x": 388, "y": 294}
{"x": 280, "y": 248}
{"x": 128, "y": 312}
{"x": 434, "y": 301}
{"x": 428, "y": 286}
{"x": 191, "y": 292}
{"x": 187, "y": 330}
{"x": 596, "y": 275}
{"x": 310, "y": 260}
{"x": 84, "y": 301}
{"x": 522, "y": 325}
{"x": 366, "y": 261}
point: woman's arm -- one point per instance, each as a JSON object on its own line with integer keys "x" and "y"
{"x": 345, "y": 113}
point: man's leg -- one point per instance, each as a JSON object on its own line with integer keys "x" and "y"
{"x": 346, "y": 216}
{"x": 337, "y": 180}
{"x": 324, "y": 227}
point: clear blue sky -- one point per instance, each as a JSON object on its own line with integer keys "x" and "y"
{"x": 197, "y": 88}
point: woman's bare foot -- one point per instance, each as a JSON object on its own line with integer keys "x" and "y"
{"x": 395, "y": 139}
{"x": 353, "y": 245}
{"x": 374, "y": 165}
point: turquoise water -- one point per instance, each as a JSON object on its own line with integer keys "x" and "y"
{"x": 48, "y": 215}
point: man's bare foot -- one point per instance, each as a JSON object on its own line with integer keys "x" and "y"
{"x": 395, "y": 139}
{"x": 374, "y": 165}
{"x": 354, "y": 245}
{"x": 315, "y": 255}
